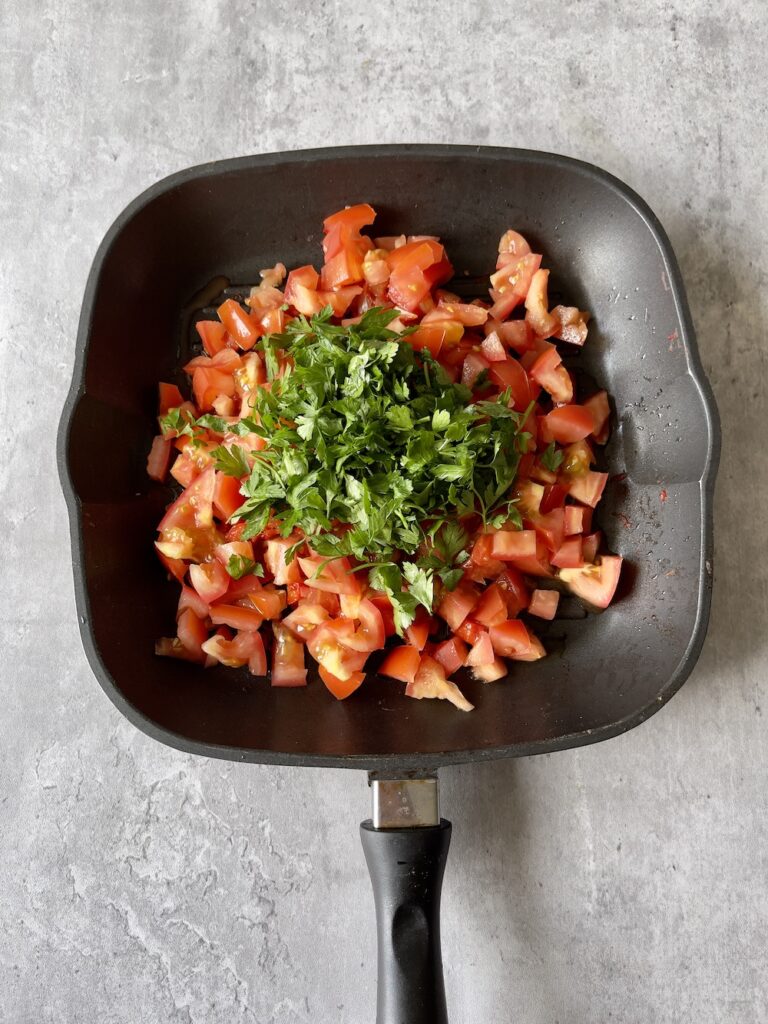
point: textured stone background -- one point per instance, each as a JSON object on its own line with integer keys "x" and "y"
{"x": 624, "y": 882}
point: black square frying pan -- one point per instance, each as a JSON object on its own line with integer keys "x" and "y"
{"x": 165, "y": 256}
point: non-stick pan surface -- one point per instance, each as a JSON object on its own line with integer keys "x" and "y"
{"x": 608, "y": 254}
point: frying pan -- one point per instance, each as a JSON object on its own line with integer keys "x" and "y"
{"x": 606, "y": 673}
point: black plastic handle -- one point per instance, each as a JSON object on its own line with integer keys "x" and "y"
{"x": 406, "y": 867}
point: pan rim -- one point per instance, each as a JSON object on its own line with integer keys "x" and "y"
{"x": 369, "y": 762}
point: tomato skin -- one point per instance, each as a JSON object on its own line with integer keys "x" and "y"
{"x": 574, "y": 520}
{"x": 452, "y": 654}
{"x": 169, "y": 397}
{"x": 510, "y": 374}
{"x": 569, "y": 554}
{"x": 288, "y": 667}
{"x": 401, "y": 663}
{"x": 353, "y": 218}
{"x": 547, "y": 370}
{"x": 227, "y": 498}
{"x": 370, "y": 636}
{"x": 257, "y": 658}
{"x": 492, "y": 607}
{"x": 601, "y": 412}
{"x": 470, "y": 631}
{"x": 570, "y": 423}
{"x": 544, "y": 604}
{"x": 550, "y": 528}
{"x": 430, "y": 681}
{"x": 240, "y": 589}
{"x": 474, "y": 364}
{"x": 159, "y": 458}
{"x": 457, "y": 604}
{"x": 510, "y": 638}
{"x": 418, "y": 632}
{"x": 210, "y": 580}
{"x": 591, "y": 545}
{"x": 512, "y": 243}
{"x": 240, "y": 326}
{"x": 430, "y": 337}
{"x": 534, "y": 652}
{"x": 213, "y": 335}
{"x": 341, "y": 688}
{"x": 236, "y": 652}
{"x": 554, "y": 497}
{"x": 192, "y": 633}
{"x": 514, "y": 590}
{"x": 384, "y": 605}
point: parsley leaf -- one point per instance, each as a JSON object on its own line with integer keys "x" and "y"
{"x": 551, "y": 458}
{"x": 239, "y": 566}
{"x": 231, "y": 461}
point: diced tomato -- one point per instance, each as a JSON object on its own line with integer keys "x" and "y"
{"x": 601, "y": 413}
{"x": 430, "y": 337}
{"x": 268, "y": 601}
{"x": 236, "y": 616}
{"x": 510, "y": 374}
{"x": 227, "y": 498}
{"x": 490, "y": 673}
{"x": 208, "y": 384}
{"x": 577, "y": 458}
{"x": 237, "y": 548}
{"x": 596, "y": 584}
{"x": 474, "y": 364}
{"x": 492, "y": 607}
{"x": 482, "y": 652}
{"x": 401, "y": 663}
{"x": 274, "y": 559}
{"x": 210, "y": 580}
{"x": 417, "y": 633}
{"x": 570, "y": 423}
{"x": 451, "y": 654}
{"x": 554, "y": 497}
{"x": 535, "y": 565}
{"x": 192, "y": 633}
{"x": 513, "y": 244}
{"x": 467, "y": 313}
{"x": 240, "y": 326}
{"x": 327, "y": 648}
{"x": 457, "y": 604}
{"x": 573, "y": 325}
{"x": 550, "y": 528}
{"x": 189, "y": 598}
{"x": 547, "y": 371}
{"x": 510, "y": 638}
{"x": 370, "y": 634}
{"x": 239, "y": 590}
{"x": 511, "y": 544}
{"x": 430, "y": 681}
{"x": 194, "y": 506}
{"x": 568, "y": 555}
{"x": 334, "y": 576}
{"x": 536, "y": 306}
{"x": 339, "y": 299}
{"x": 591, "y": 545}
{"x": 158, "y": 459}
{"x": 574, "y": 520}
{"x": 384, "y": 605}
{"x": 305, "y": 619}
{"x": 169, "y": 398}
{"x": 517, "y": 334}
{"x": 213, "y": 335}
{"x": 172, "y": 647}
{"x": 510, "y": 284}
{"x": 237, "y": 651}
{"x": 341, "y": 688}
{"x": 529, "y": 497}
{"x": 514, "y": 591}
{"x": 257, "y": 657}
{"x": 534, "y": 652}
{"x": 470, "y": 631}
{"x": 353, "y": 218}
{"x": 589, "y": 487}
{"x": 544, "y": 603}
{"x": 492, "y": 348}
{"x": 174, "y": 566}
{"x": 288, "y": 667}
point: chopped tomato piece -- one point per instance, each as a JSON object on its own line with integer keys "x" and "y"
{"x": 492, "y": 607}
{"x": 457, "y": 604}
{"x": 570, "y": 423}
{"x": 470, "y": 631}
{"x": 213, "y": 335}
{"x": 327, "y": 648}
{"x": 596, "y": 584}
{"x": 511, "y": 544}
{"x": 341, "y": 688}
{"x": 490, "y": 673}
{"x": 493, "y": 350}
{"x": 589, "y": 487}
{"x": 474, "y": 364}
{"x": 573, "y": 325}
{"x": 574, "y": 519}
{"x": 227, "y": 498}
{"x": 210, "y": 580}
{"x": 554, "y": 497}
{"x": 384, "y": 605}
{"x": 510, "y": 374}
{"x": 370, "y": 634}
{"x": 430, "y": 681}
{"x": 482, "y": 652}
{"x": 236, "y": 616}
{"x": 510, "y": 284}
{"x": 335, "y": 575}
{"x": 274, "y": 559}
{"x": 510, "y": 638}
{"x": 534, "y": 652}
{"x": 192, "y": 633}
{"x": 544, "y": 603}
{"x": 601, "y": 413}
{"x": 417, "y": 633}
{"x": 288, "y": 667}
{"x": 536, "y": 306}
{"x": 240, "y": 326}
{"x": 591, "y": 545}
{"x": 305, "y": 619}
{"x": 237, "y": 651}
{"x": 514, "y": 590}
{"x": 451, "y": 654}
{"x": 401, "y": 663}
{"x": 169, "y": 398}
{"x": 268, "y": 601}
{"x": 568, "y": 555}
{"x": 159, "y": 458}
{"x": 189, "y": 598}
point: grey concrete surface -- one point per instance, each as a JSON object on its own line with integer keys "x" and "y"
{"x": 625, "y": 882}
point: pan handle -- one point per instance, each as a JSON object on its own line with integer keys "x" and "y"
{"x": 406, "y": 865}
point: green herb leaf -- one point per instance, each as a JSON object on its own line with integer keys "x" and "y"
{"x": 551, "y": 458}
{"x": 231, "y": 461}
{"x": 238, "y": 566}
